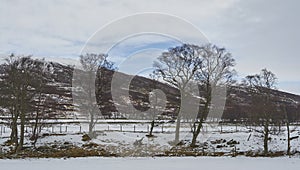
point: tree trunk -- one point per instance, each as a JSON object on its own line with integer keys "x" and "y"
{"x": 22, "y": 131}
{"x": 176, "y": 141}
{"x": 266, "y": 139}
{"x": 194, "y": 139}
{"x": 35, "y": 133}
{"x": 151, "y": 128}
{"x": 14, "y": 130}
{"x": 91, "y": 105}
{"x": 90, "y": 128}
{"x": 22, "y": 122}
{"x": 91, "y": 125}
{"x": 203, "y": 116}
{"x": 288, "y": 138}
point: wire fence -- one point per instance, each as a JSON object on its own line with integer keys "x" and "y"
{"x": 131, "y": 128}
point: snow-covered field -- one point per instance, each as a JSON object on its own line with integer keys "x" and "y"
{"x": 190, "y": 163}
{"x": 119, "y": 137}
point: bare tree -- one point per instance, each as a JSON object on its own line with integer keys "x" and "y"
{"x": 19, "y": 83}
{"x": 24, "y": 65}
{"x": 86, "y": 82}
{"x": 154, "y": 98}
{"x": 260, "y": 87}
{"x": 9, "y": 87}
{"x": 287, "y": 123}
{"x": 26, "y": 87}
{"x": 178, "y": 67}
{"x": 216, "y": 69}
{"x": 40, "y": 83}
{"x": 51, "y": 98}
{"x": 157, "y": 103}
{"x": 287, "y": 107}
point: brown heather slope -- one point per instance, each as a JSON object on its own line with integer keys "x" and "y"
{"x": 237, "y": 107}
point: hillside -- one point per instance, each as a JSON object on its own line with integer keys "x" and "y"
{"x": 237, "y": 104}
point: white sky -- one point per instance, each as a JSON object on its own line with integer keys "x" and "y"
{"x": 258, "y": 33}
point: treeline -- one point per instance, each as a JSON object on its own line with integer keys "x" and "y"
{"x": 241, "y": 106}
{"x": 31, "y": 92}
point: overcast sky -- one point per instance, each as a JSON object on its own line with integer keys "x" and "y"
{"x": 258, "y": 33}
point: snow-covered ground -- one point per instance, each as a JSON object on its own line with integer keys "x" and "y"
{"x": 119, "y": 137}
{"x": 190, "y": 163}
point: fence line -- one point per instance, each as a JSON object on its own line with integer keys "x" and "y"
{"x": 133, "y": 128}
